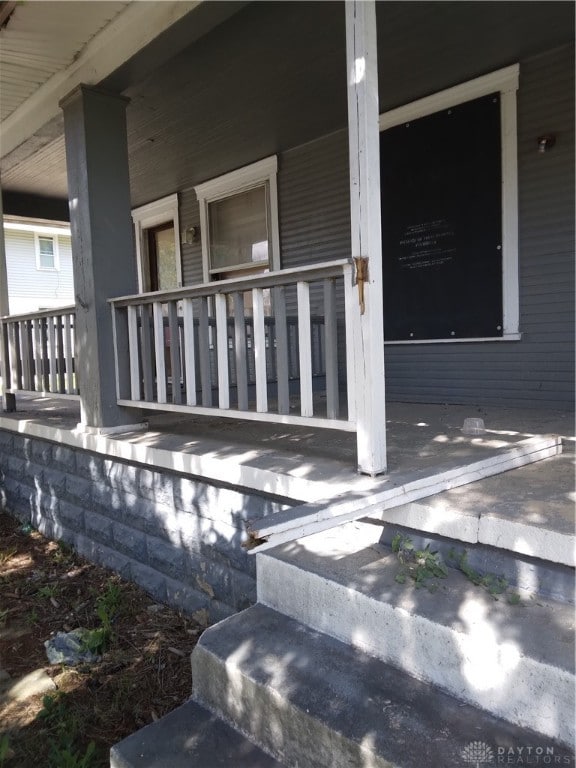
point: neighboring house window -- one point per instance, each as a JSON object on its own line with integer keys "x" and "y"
{"x": 157, "y": 235}
{"x": 450, "y": 214}
{"x": 239, "y": 221}
{"x": 46, "y": 252}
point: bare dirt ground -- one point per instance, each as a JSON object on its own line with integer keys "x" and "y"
{"x": 143, "y": 673}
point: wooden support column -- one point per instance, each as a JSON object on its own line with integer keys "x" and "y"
{"x": 367, "y": 315}
{"x": 102, "y": 251}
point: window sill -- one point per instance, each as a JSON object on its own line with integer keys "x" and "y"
{"x": 506, "y": 337}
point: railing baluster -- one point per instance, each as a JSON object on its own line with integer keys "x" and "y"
{"x": 146, "y": 350}
{"x": 45, "y": 361}
{"x": 349, "y": 309}
{"x": 5, "y": 357}
{"x": 204, "y": 353}
{"x": 222, "y": 350}
{"x": 51, "y": 337}
{"x": 12, "y": 337}
{"x": 59, "y": 319}
{"x": 189, "y": 347}
{"x": 69, "y": 354}
{"x": 159, "y": 350}
{"x": 331, "y": 349}
{"x": 305, "y": 349}
{"x": 240, "y": 351}
{"x": 260, "y": 350}
{"x": 282, "y": 366}
{"x": 25, "y": 349}
{"x": 174, "y": 335}
{"x": 133, "y": 353}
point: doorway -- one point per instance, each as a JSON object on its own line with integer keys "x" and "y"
{"x": 162, "y": 258}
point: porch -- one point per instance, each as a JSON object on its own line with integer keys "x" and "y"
{"x": 302, "y": 464}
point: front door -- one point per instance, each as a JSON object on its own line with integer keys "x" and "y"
{"x": 162, "y": 269}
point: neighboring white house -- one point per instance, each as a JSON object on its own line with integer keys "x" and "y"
{"x": 38, "y": 264}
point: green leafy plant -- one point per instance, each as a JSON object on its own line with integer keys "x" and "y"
{"x": 64, "y": 728}
{"x": 32, "y": 617}
{"x": 423, "y": 566}
{"x": 68, "y": 757}
{"x": 107, "y": 607}
{"x": 493, "y": 584}
{"x": 50, "y": 590}
{"x": 4, "y": 748}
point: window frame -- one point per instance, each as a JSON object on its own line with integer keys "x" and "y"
{"x": 262, "y": 173}
{"x": 55, "y": 251}
{"x": 162, "y": 211}
{"x": 506, "y": 82}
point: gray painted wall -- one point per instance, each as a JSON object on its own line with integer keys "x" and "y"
{"x": 248, "y": 90}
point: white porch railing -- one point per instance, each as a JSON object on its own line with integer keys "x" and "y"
{"x": 271, "y": 348}
{"x": 38, "y": 352}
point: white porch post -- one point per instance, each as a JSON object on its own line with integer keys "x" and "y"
{"x": 8, "y": 398}
{"x": 4, "y": 303}
{"x": 364, "y": 143}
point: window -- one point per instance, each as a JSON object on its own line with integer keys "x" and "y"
{"x": 450, "y": 214}
{"x": 239, "y": 221}
{"x": 46, "y": 252}
{"x": 157, "y": 235}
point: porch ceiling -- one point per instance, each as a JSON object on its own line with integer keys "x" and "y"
{"x": 48, "y": 48}
{"x": 40, "y": 39}
{"x": 44, "y": 43}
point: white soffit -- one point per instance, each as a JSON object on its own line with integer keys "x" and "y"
{"x": 48, "y": 48}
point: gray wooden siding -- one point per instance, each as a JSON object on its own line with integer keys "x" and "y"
{"x": 30, "y": 289}
{"x": 539, "y": 369}
{"x": 217, "y": 107}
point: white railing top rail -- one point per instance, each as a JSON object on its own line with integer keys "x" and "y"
{"x": 39, "y": 314}
{"x": 282, "y": 277}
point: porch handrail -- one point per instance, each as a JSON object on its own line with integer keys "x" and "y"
{"x": 284, "y": 277}
{"x": 69, "y": 309}
{"x": 177, "y": 350}
{"x": 38, "y": 352}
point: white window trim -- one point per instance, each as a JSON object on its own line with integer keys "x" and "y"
{"x": 152, "y": 215}
{"x": 254, "y": 175}
{"x": 56, "y": 246}
{"x": 506, "y": 82}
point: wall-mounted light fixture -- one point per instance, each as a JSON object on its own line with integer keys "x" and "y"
{"x": 546, "y": 142}
{"x": 191, "y": 235}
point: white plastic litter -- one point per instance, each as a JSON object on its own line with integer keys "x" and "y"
{"x": 70, "y": 648}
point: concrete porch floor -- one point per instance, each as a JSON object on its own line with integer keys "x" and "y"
{"x": 306, "y": 465}
{"x": 315, "y": 463}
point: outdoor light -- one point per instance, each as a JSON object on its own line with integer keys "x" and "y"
{"x": 546, "y": 142}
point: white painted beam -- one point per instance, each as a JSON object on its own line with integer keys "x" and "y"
{"x": 366, "y": 319}
{"x": 294, "y": 523}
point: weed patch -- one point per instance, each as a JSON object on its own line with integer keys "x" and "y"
{"x": 47, "y": 589}
{"x": 423, "y": 566}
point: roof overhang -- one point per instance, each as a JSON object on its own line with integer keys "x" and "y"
{"x": 127, "y": 33}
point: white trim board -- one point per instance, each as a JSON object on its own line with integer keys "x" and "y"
{"x": 307, "y": 519}
{"x": 263, "y": 171}
{"x": 152, "y": 215}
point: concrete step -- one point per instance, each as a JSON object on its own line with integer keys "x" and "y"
{"x": 315, "y": 702}
{"x": 189, "y": 736}
{"x": 514, "y": 661}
